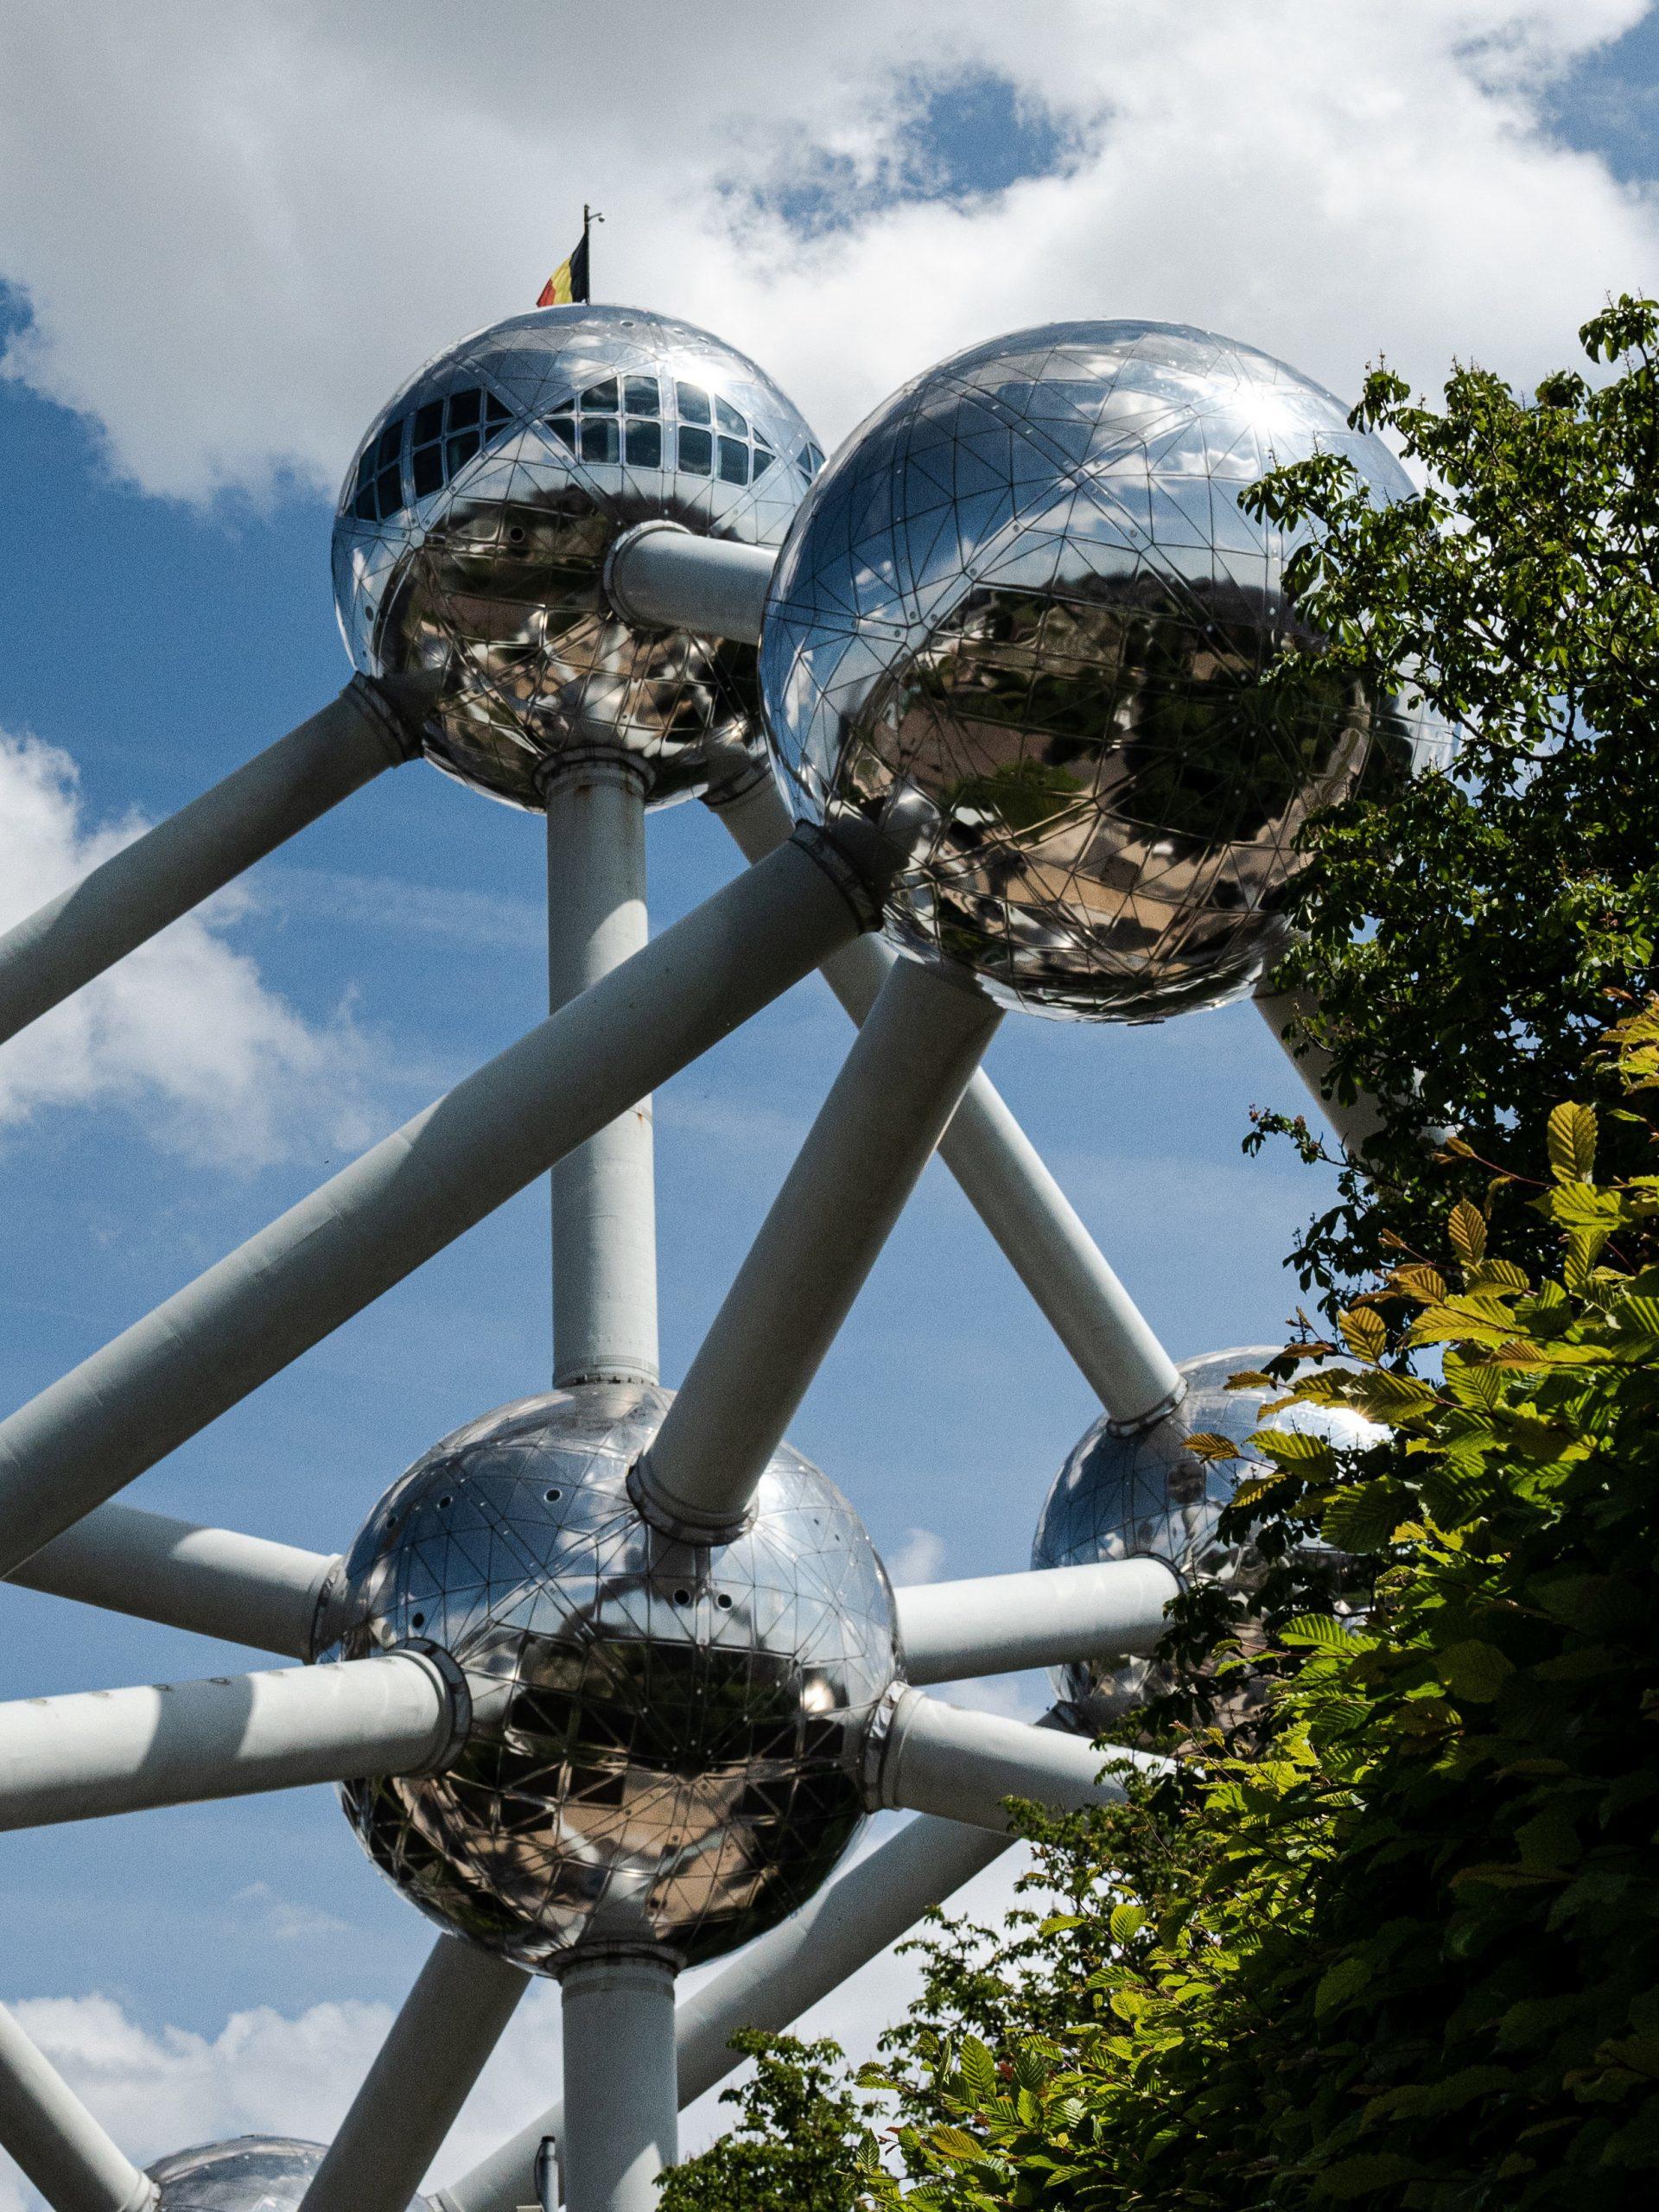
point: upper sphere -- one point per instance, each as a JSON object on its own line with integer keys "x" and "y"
{"x": 1145, "y": 1495}
{"x": 473, "y": 527}
{"x": 666, "y": 1740}
{"x": 247, "y": 2173}
{"x": 1020, "y": 622}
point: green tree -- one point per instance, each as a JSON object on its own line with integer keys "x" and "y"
{"x": 1395, "y": 1944}
{"x": 1468, "y": 936}
{"x": 801, "y": 2143}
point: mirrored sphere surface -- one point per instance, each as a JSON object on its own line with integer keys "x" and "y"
{"x": 1020, "y": 621}
{"x": 474, "y": 521}
{"x": 246, "y": 2173}
{"x": 1146, "y": 1496}
{"x": 666, "y": 1738}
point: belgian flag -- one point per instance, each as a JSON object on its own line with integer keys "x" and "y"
{"x": 569, "y": 282}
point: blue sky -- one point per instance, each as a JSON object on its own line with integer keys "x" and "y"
{"x": 164, "y": 599}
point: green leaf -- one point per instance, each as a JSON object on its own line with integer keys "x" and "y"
{"x": 1204, "y": 1444}
{"x": 1466, "y": 1227}
{"x": 1473, "y": 1671}
{"x": 1370, "y": 2170}
{"x": 1364, "y": 1333}
{"x": 1126, "y": 1921}
{"x": 1572, "y": 1142}
{"x": 1320, "y": 1630}
{"x": 1363, "y": 1518}
{"x": 1342, "y": 1981}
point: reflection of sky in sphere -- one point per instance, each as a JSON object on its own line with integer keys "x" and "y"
{"x": 1144, "y": 1496}
{"x": 1022, "y": 621}
{"x": 666, "y": 1739}
{"x": 247, "y": 2173}
{"x": 474, "y": 522}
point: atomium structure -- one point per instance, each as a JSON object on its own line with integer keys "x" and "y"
{"x": 612, "y": 1676}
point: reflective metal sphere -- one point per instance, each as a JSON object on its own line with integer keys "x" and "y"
{"x": 248, "y": 2173}
{"x": 1020, "y": 622}
{"x": 666, "y": 1738}
{"x": 1146, "y": 1496}
{"x": 474, "y": 522}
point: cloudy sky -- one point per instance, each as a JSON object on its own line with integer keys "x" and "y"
{"x": 226, "y": 233}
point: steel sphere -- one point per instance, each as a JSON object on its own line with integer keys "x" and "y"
{"x": 474, "y": 521}
{"x": 666, "y": 1739}
{"x": 1145, "y": 1495}
{"x": 1020, "y": 622}
{"x": 248, "y": 2173}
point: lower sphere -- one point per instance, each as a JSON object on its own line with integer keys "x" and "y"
{"x": 248, "y": 2173}
{"x": 1145, "y": 1496}
{"x": 666, "y": 1738}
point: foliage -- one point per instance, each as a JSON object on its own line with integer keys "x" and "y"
{"x": 801, "y": 2145}
{"x": 1462, "y": 933}
{"x": 1409, "y": 1956}
{"x": 1391, "y": 1940}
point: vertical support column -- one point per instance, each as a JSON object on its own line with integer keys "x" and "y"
{"x": 604, "y": 1201}
{"x": 621, "y": 2092}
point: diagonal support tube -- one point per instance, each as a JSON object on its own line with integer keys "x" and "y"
{"x": 960, "y": 1765}
{"x": 371, "y": 726}
{"x": 996, "y": 1623}
{"x": 98, "y": 1752}
{"x": 243, "y": 1320}
{"x": 876, "y": 1132}
{"x": 209, "y": 1581}
{"x": 772, "y": 1981}
{"x": 422, "y": 2074}
{"x": 55, "y": 2140}
{"x": 1356, "y": 1120}
{"x": 1002, "y": 1176}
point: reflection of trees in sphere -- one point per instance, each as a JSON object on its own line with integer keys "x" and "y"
{"x": 249, "y": 2173}
{"x": 666, "y": 1738}
{"x": 1145, "y": 1496}
{"x": 1021, "y": 620}
{"x": 475, "y": 520}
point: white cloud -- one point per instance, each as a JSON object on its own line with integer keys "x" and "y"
{"x": 158, "y": 2090}
{"x": 235, "y": 245}
{"x": 917, "y": 1557}
{"x": 183, "y": 1031}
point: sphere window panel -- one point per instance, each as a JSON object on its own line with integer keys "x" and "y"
{"x": 734, "y": 461}
{"x": 728, "y": 419}
{"x": 599, "y": 439}
{"x": 696, "y": 452}
{"x": 693, "y": 404}
{"x": 644, "y": 445}
{"x": 641, "y": 395}
{"x": 379, "y": 493}
{"x": 600, "y": 398}
{"x": 471, "y": 419}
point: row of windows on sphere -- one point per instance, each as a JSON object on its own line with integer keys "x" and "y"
{"x": 618, "y": 419}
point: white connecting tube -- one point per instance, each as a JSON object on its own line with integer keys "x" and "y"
{"x": 998, "y": 1624}
{"x": 370, "y": 728}
{"x": 97, "y": 1752}
{"x": 963, "y": 1766}
{"x": 218, "y": 1339}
